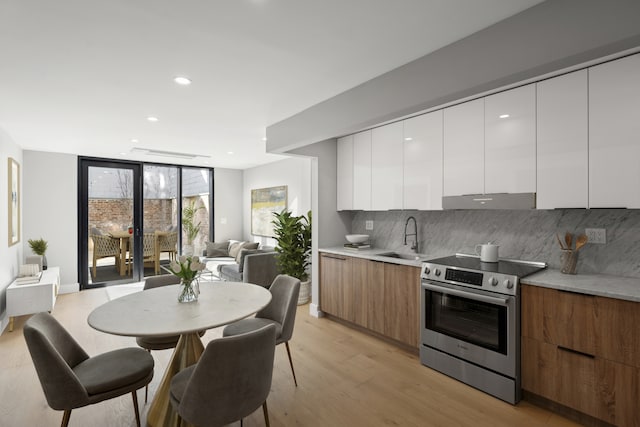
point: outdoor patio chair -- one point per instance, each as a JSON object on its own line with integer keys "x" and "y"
{"x": 104, "y": 247}
{"x": 167, "y": 242}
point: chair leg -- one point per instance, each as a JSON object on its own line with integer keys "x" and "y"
{"x": 65, "y": 418}
{"x": 146, "y": 388}
{"x": 266, "y": 413}
{"x": 135, "y": 406}
{"x": 286, "y": 343}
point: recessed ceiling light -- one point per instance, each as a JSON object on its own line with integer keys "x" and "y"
{"x": 134, "y": 140}
{"x": 229, "y": 152}
{"x": 503, "y": 116}
{"x": 152, "y": 119}
{"x": 123, "y": 154}
{"x": 264, "y": 138}
{"x": 408, "y": 138}
{"x": 182, "y": 81}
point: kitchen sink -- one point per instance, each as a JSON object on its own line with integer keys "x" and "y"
{"x": 411, "y": 257}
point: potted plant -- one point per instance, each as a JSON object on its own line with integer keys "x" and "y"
{"x": 293, "y": 234}
{"x": 189, "y": 226}
{"x": 39, "y": 247}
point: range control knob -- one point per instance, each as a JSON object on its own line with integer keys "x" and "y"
{"x": 508, "y": 283}
{"x": 427, "y": 270}
{"x": 493, "y": 281}
{"x": 437, "y": 272}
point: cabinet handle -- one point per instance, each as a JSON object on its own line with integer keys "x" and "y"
{"x": 569, "y": 350}
{"x": 334, "y": 257}
{"x": 575, "y": 293}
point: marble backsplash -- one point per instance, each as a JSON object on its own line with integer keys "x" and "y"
{"x": 526, "y": 235}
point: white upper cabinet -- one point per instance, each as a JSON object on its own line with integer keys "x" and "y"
{"x": 362, "y": 170}
{"x": 510, "y": 141}
{"x": 614, "y": 134}
{"x": 423, "y": 162}
{"x": 386, "y": 167}
{"x": 464, "y": 148}
{"x": 562, "y": 128}
{"x": 345, "y": 173}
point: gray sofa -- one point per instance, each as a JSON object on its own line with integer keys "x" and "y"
{"x": 257, "y": 266}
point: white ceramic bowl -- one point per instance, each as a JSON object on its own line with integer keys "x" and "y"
{"x": 357, "y": 238}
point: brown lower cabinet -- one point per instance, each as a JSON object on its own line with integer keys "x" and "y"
{"x": 566, "y": 354}
{"x": 383, "y": 297}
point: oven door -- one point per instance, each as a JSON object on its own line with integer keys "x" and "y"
{"x": 477, "y": 326}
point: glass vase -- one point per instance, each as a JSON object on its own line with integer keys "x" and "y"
{"x": 189, "y": 290}
{"x": 568, "y": 261}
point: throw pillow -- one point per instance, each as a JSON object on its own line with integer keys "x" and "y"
{"x": 246, "y": 245}
{"x": 234, "y": 248}
{"x": 242, "y": 255}
{"x": 215, "y": 249}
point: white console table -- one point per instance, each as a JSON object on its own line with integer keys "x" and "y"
{"x": 34, "y": 297}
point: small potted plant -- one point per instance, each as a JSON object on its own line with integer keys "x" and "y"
{"x": 293, "y": 234}
{"x": 190, "y": 227}
{"x": 188, "y": 269}
{"x": 39, "y": 247}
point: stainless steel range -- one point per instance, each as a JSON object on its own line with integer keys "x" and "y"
{"x": 470, "y": 321}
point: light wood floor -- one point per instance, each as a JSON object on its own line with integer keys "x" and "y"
{"x": 345, "y": 378}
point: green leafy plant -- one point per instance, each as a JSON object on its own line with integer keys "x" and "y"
{"x": 38, "y": 246}
{"x": 191, "y": 229}
{"x": 293, "y": 234}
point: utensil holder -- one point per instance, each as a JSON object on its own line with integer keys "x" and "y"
{"x": 568, "y": 261}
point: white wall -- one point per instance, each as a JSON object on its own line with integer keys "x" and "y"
{"x": 295, "y": 173}
{"x": 11, "y": 256}
{"x": 228, "y": 208}
{"x": 50, "y": 209}
{"x": 329, "y": 225}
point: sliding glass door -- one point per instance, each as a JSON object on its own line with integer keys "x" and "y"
{"x": 109, "y": 221}
{"x": 134, "y": 218}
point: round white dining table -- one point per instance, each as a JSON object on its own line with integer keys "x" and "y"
{"x": 157, "y": 312}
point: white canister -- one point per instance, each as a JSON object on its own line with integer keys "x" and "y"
{"x": 487, "y": 252}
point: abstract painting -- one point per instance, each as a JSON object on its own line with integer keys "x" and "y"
{"x": 264, "y": 202}
{"x": 14, "y": 201}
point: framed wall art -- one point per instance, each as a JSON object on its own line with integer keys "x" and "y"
{"x": 264, "y": 202}
{"x": 14, "y": 201}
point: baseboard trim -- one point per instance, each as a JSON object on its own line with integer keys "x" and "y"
{"x": 572, "y": 414}
{"x": 69, "y": 289}
{"x": 314, "y": 311}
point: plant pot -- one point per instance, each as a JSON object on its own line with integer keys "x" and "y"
{"x": 305, "y": 292}
{"x": 187, "y": 250}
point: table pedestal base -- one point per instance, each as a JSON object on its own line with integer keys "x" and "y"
{"x": 187, "y": 352}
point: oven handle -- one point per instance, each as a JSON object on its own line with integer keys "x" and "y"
{"x": 468, "y": 295}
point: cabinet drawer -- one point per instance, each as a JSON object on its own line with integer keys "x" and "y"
{"x": 617, "y": 330}
{"x": 594, "y": 386}
{"x": 570, "y": 320}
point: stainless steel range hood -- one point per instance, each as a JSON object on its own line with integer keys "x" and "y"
{"x": 491, "y": 201}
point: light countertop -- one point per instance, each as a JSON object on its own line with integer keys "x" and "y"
{"x": 625, "y": 288}
{"x": 374, "y": 255}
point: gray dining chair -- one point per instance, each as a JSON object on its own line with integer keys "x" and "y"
{"x": 163, "y": 342}
{"x": 71, "y": 379}
{"x": 281, "y": 312}
{"x": 230, "y": 381}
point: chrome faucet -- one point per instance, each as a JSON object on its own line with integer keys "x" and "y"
{"x": 414, "y": 247}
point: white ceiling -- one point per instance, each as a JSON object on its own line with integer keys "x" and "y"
{"x": 81, "y": 76}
